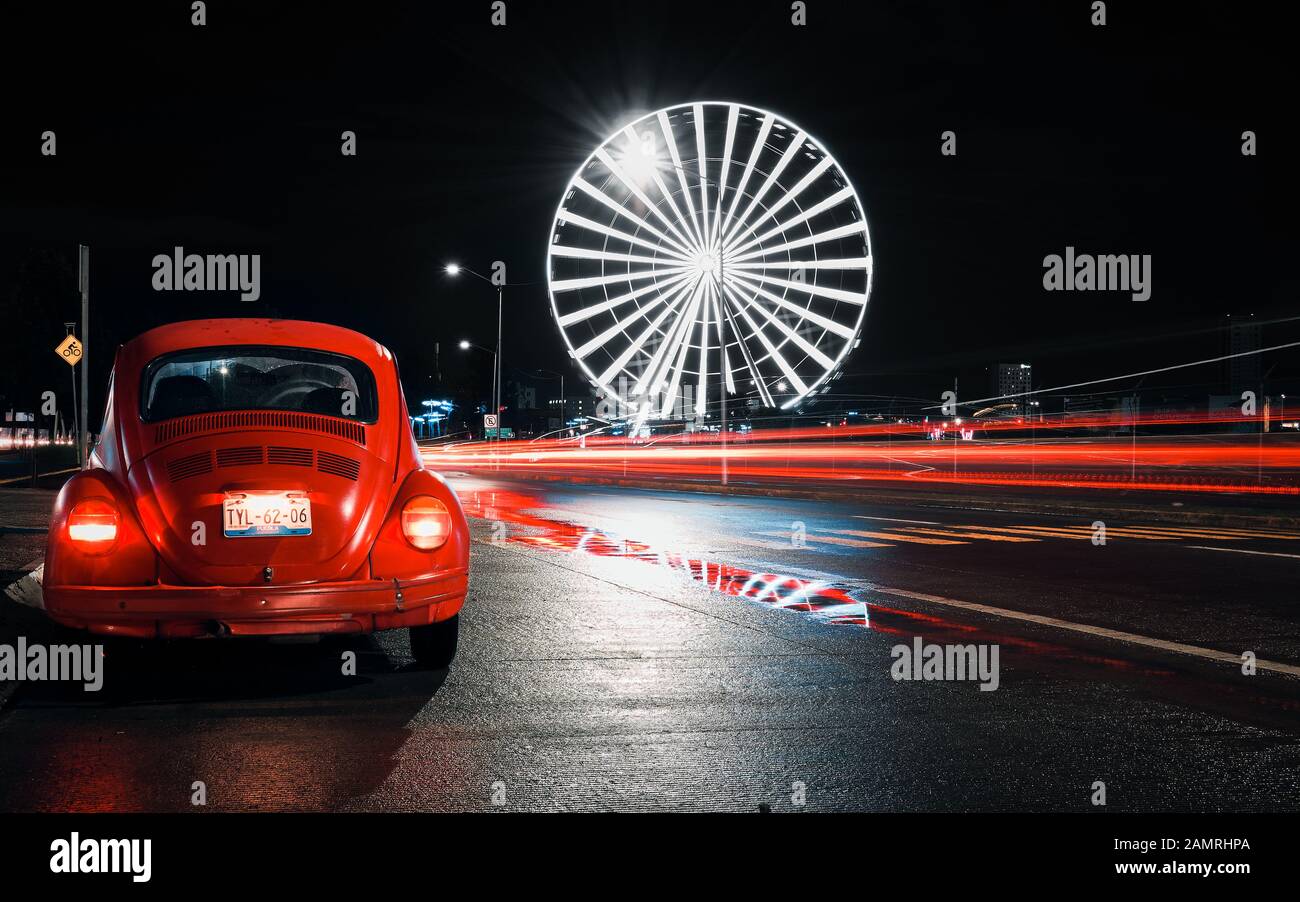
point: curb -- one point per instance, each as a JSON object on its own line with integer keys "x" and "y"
{"x": 1052, "y": 507}
{"x": 26, "y": 592}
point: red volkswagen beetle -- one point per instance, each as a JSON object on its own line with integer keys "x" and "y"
{"x": 258, "y": 477}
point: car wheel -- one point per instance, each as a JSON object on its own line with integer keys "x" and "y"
{"x": 434, "y": 646}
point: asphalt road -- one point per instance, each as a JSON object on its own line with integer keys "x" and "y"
{"x": 639, "y": 650}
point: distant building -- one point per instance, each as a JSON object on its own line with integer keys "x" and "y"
{"x": 561, "y": 410}
{"x": 1243, "y": 336}
{"x": 1013, "y": 379}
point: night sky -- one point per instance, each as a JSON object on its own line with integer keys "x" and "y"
{"x": 225, "y": 139}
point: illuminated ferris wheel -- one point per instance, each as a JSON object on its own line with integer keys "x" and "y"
{"x": 709, "y": 244}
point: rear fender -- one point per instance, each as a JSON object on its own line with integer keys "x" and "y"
{"x": 130, "y": 561}
{"x": 393, "y": 557}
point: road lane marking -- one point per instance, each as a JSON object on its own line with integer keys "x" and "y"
{"x": 1158, "y": 534}
{"x": 39, "y": 476}
{"x": 759, "y": 543}
{"x": 1043, "y": 531}
{"x": 970, "y": 535}
{"x": 1242, "y": 551}
{"x": 894, "y": 537}
{"x": 1124, "y": 532}
{"x": 1228, "y": 531}
{"x": 830, "y": 540}
{"x": 1208, "y": 654}
{"x": 896, "y": 520}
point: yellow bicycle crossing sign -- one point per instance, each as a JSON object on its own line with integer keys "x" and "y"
{"x": 70, "y": 350}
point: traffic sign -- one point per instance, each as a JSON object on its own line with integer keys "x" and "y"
{"x": 489, "y": 421}
{"x": 70, "y": 350}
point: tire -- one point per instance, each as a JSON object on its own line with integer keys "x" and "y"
{"x": 433, "y": 646}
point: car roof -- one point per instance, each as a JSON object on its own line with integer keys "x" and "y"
{"x": 207, "y": 333}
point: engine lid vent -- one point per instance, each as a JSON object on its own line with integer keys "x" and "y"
{"x": 239, "y": 457}
{"x": 258, "y": 419}
{"x": 191, "y": 465}
{"x": 338, "y": 465}
{"x": 289, "y": 457}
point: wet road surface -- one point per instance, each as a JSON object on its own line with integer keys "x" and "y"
{"x": 638, "y": 650}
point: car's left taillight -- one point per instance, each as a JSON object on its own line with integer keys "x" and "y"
{"x": 426, "y": 522}
{"x": 92, "y": 525}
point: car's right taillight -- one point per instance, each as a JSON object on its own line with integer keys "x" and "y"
{"x": 92, "y": 525}
{"x": 426, "y": 523}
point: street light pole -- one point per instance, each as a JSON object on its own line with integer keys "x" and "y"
{"x": 496, "y": 370}
{"x": 455, "y": 269}
{"x": 722, "y": 364}
{"x": 83, "y": 278}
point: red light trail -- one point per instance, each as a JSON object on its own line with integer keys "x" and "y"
{"x": 1224, "y": 462}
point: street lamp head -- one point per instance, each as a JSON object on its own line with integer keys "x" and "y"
{"x": 464, "y": 345}
{"x": 452, "y": 269}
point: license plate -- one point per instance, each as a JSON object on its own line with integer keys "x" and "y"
{"x": 266, "y": 514}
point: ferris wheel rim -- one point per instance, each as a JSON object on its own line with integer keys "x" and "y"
{"x": 558, "y": 219}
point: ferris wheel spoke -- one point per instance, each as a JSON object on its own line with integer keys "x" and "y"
{"x": 640, "y": 195}
{"x": 820, "y": 238}
{"x": 702, "y": 157}
{"x": 694, "y": 239}
{"x": 610, "y": 232}
{"x": 748, "y": 228}
{"x": 600, "y": 281}
{"x": 702, "y": 385}
{"x": 679, "y": 366}
{"x": 759, "y": 143}
{"x": 583, "y": 253}
{"x": 757, "y": 377}
{"x": 834, "y": 263}
{"x": 729, "y": 144}
{"x": 816, "y": 209}
{"x": 682, "y": 218}
{"x": 728, "y": 379}
{"x": 791, "y": 151}
{"x": 650, "y": 380}
{"x": 621, "y": 326}
{"x": 821, "y": 291}
{"x": 670, "y": 141}
{"x": 596, "y": 194}
{"x": 802, "y": 343}
{"x": 790, "y": 373}
{"x": 584, "y": 313}
{"x": 812, "y": 316}
{"x": 639, "y": 342}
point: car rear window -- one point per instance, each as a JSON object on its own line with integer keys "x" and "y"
{"x": 257, "y": 378}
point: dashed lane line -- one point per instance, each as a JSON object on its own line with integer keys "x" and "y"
{"x": 989, "y": 537}
{"x": 892, "y": 537}
{"x": 897, "y": 520}
{"x": 1242, "y": 551}
{"x": 831, "y": 540}
{"x": 1208, "y": 654}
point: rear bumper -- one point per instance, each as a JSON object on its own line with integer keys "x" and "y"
{"x": 357, "y": 606}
